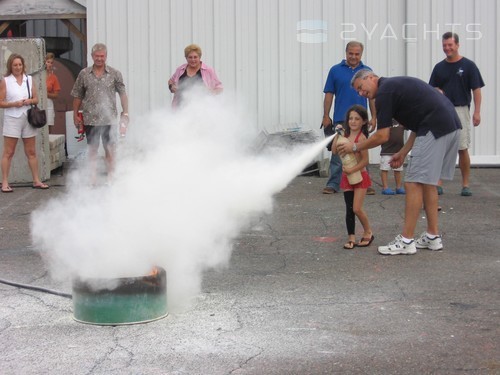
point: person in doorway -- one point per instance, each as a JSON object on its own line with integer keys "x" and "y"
{"x": 15, "y": 100}
{"x": 95, "y": 92}
{"x": 191, "y": 74}
{"x": 354, "y": 195}
{"x": 394, "y": 144}
{"x": 456, "y": 77}
{"x": 53, "y": 87}
{"x": 338, "y": 85}
{"x": 435, "y": 131}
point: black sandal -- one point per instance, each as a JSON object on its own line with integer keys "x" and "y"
{"x": 349, "y": 245}
{"x": 365, "y": 242}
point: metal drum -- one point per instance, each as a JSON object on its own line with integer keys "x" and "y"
{"x": 135, "y": 300}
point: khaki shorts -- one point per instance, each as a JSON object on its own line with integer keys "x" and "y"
{"x": 463, "y": 113}
{"x": 18, "y": 127}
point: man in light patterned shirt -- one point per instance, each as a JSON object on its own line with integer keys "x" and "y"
{"x": 94, "y": 92}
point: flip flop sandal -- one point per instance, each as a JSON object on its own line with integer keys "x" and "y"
{"x": 349, "y": 245}
{"x": 8, "y": 189}
{"x": 367, "y": 240}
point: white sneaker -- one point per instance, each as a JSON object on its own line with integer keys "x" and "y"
{"x": 424, "y": 242}
{"x": 397, "y": 247}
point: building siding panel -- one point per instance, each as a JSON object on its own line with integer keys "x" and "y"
{"x": 256, "y": 50}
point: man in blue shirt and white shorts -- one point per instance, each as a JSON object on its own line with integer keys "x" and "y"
{"x": 456, "y": 77}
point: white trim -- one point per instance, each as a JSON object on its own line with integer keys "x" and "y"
{"x": 489, "y": 160}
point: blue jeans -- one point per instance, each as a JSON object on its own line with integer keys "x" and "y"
{"x": 335, "y": 172}
{"x": 335, "y": 167}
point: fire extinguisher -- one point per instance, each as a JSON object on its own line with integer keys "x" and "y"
{"x": 81, "y": 131}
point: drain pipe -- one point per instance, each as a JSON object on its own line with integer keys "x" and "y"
{"x": 36, "y": 288}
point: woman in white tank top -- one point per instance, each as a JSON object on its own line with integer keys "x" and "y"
{"x": 15, "y": 101}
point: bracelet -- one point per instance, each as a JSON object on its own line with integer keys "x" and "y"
{"x": 125, "y": 114}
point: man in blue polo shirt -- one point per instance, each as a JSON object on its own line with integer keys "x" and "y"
{"x": 338, "y": 84}
{"x": 435, "y": 132}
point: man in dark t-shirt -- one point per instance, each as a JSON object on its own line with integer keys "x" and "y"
{"x": 433, "y": 142}
{"x": 394, "y": 144}
{"x": 456, "y": 77}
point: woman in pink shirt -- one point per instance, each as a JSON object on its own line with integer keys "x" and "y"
{"x": 193, "y": 73}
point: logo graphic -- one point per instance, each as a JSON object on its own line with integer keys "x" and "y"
{"x": 312, "y": 31}
{"x": 460, "y": 72}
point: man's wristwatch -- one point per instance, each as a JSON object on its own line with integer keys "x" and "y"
{"x": 355, "y": 148}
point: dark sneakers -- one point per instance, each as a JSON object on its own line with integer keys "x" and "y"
{"x": 466, "y": 192}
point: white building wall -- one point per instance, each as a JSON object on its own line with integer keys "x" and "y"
{"x": 476, "y": 22}
{"x": 260, "y": 55}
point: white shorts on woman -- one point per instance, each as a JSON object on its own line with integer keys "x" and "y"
{"x": 18, "y": 127}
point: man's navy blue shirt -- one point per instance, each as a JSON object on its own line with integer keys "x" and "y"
{"x": 416, "y": 105}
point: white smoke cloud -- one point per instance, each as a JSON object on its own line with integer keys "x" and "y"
{"x": 187, "y": 183}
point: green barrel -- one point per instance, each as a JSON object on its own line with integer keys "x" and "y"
{"x": 135, "y": 300}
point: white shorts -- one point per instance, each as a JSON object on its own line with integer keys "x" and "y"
{"x": 385, "y": 166}
{"x": 463, "y": 113}
{"x": 18, "y": 127}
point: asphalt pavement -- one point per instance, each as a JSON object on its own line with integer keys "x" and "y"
{"x": 291, "y": 301}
